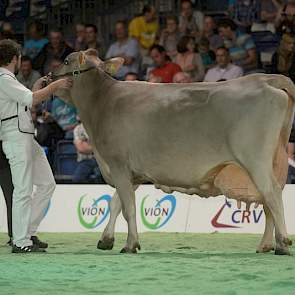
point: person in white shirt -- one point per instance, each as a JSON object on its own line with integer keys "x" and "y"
{"x": 224, "y": 70}
{"x": 27, "y": 160}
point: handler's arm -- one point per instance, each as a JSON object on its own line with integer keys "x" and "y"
{"x": 46, "y": 92}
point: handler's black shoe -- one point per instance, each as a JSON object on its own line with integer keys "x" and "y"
{"x": 9, "y": 243}
{"x": 38, "y": 243}
{"x": 27, "y": 249}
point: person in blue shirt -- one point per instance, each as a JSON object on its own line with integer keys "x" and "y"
{"x": 35, "y": 41}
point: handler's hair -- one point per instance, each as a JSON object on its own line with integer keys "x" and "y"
{"x": 8, "y": 49}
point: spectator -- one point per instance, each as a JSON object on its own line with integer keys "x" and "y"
{"x": 268, "y": 15}
{"x": 209, "y": 32}
{"x": 65, "y": 116}
{"x": 57, "y": 110}
{"x": 7, "y": 31}
{"x": 286, "y": 18}
{"x": 284, "y": 59}
{"x": 241, "y": 46}
{"x": 189, "y": 61}
{"x": 92, "y": 39}
{"x": 87, "y": 164}
{"x": 80, "y": 41}
{"x": 27, "y": 76}
{"x": 165, "y": 69}
{"x": 224, "y": 70}
{"x": 35, "y": 40}
{"x": 207, "y": 55}
{"x": 127, "y": 48}
{"x": 145, "y": 29}
{"x": 190, "y": 22}
{"x": 182, "y": 77}
{"x": 55, "y": 49}
{"x": 170, "y": 36}
{"x": 245, "y": 12}
{"x": 131, "y": 76}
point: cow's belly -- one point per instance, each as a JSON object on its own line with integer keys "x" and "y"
{"x": 231, "y": 180}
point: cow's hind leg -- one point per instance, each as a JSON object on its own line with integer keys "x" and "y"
{"x": 107, "y": 239}
{"x": 272, "y": 195}
{"x": 266, "y": 243}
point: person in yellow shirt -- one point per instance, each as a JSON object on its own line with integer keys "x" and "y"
{"x": 145, "y": 28}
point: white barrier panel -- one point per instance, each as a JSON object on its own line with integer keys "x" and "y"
{"x": 85, "y": 208}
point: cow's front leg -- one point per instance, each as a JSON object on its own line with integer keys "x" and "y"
{"x": 107, "y": 239}
{"x": 127, "y": 196}
{"x": 266, "y": 243}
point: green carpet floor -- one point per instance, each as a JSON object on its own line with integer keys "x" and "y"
{"x": 168, "y": 264}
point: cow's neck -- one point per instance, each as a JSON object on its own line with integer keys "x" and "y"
{"x": 92, "y": 88}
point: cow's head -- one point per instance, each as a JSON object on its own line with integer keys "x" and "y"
{"x": 78, "y": 63}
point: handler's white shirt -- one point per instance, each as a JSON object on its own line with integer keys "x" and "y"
{"x": 11, "y": 93}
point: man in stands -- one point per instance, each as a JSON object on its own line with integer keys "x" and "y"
{"x": 124, "y": 47}
{"x": 165, "y": 69}
{"x": 27, "y": 76}
{"x": 224, "y": 70}
{"x": 241, "y": 46}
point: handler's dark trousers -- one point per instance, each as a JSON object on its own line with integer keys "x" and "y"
{"x": 7, "y": 187}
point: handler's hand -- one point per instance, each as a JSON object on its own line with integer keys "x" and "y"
{"x": 65, "y": 83}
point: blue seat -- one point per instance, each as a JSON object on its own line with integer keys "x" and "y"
{"x": 265, "y": 41}
{"x": 66, "y": 165}
{"x": 66, "y": 147}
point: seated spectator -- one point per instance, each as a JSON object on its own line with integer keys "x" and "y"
{"x": 165, "y": 69}
{"x": 124, "y": 47}
{"x": 245, "y": 12}
{"x": 92, "y": 39}
{"x": 87, "y": 164}
{"x": 224, "y": 70}
{"x": 35, "y": 40}
{"x": 286, "y": 18}
{"x": 7, "y": 31}
{"x": 55, "y": 49}
{"x": 182, "y": 77}
{"x": 284, "y": 59}
{"x": 241, "y": 46}
{"x": 190, "y": 21}
{"x": 207, "y": 55}
{"x": 268, "y": 14}
{"x": 65, "y": 116}
{"x": 145, "y": 29}
{"x": 210, "y": 33}
{"x": 170, "y": 36}
{"x": 26, "y": 75}
{"x": 131, "y": 76}
{"x": 189, "y": 61}
{"x": 80, "y": 41}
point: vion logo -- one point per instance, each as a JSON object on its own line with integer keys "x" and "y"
{"x": 155, "y": 216}
{"x": 93, "y": 212}
{"x": 237, "y": 217}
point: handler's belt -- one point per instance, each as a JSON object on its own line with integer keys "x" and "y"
{"x": 9, "y": 118}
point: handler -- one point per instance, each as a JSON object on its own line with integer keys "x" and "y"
{"x": 7, "y": 188}
{"x": 27, "y": 160}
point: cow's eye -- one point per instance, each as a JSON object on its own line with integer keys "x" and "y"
{"x": 66, "y": 62}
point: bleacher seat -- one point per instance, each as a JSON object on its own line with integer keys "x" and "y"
{"x": 66, "y": 164}
{"x": 66, "y": 147}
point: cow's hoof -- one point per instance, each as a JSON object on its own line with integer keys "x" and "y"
{"x": 132, "y": 250}
{"x": 279, "y": 251}
{"x": 288, "y": 242}
{"x": 106, "y": 244}
{"x": 265, "y": 249}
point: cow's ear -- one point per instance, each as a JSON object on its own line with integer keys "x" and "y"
{"x": 111, "y": 66}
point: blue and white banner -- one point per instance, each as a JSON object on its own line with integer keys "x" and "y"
{"x": 85, "y": 208}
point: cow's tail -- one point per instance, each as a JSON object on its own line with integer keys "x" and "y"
{"x": 286, "y": 84}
